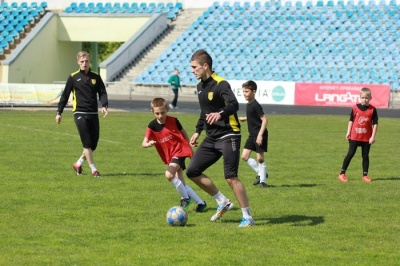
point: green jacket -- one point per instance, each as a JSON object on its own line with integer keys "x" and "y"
{"x": 175, "y": 82}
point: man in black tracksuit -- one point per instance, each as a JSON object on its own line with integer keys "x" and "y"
{"x": 85, "y": 85}
{"x": 219, "y": 119}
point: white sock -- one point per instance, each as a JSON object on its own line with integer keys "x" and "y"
{"x": 177, "y": 183}
{"x": 253, "y": 164}
{"x": 193, "y": 195}
{"x": 246, "y": 213}
{"x": 221, "y": 199}
{"x": 80, "y": 161}
{"x": 263, "y": 172}
{"x": 92, "y": 167}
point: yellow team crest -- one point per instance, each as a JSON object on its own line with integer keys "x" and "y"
{"x": 94, "y": 81}
{"x": 210, "y": 95}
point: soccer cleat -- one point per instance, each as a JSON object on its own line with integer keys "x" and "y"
{"x": 366, "y": 179}
{"x": 257, "y": 180}
{"x": 202, "y": 207}
{"x": 185, "y": 203}
{"x": 246, "y": 222}
{"x": 221, "y": 210}
{"x": 263, "y": 185}
{"x": 343, "y": 178}
{"x": 78, "y": 169}
{"x": 96, "y": 173}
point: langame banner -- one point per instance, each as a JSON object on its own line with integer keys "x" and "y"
{"x": 339, "y": 94}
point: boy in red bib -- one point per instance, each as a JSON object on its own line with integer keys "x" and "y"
{"x": 361, "y": 131}
{"x": 172, "y": 144}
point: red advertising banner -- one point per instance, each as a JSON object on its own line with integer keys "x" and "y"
{"x": 339, "y": 94}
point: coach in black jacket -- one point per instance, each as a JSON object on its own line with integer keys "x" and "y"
{"x": 85, "y": 85}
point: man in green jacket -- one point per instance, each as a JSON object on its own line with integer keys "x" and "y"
{"x": 174, "y": 80}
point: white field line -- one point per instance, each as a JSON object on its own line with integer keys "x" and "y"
{"x": 59, "y": 133}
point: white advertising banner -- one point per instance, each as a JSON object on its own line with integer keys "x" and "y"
{"x": 268, "y": 92}
{"x": 30, "y": 94}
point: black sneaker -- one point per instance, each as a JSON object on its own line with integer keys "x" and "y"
{"x": 202, "y": 207}
{"x": 96, "y": 174}
{"x": 263, "y": 185}
{"x": 185, "y": 203}
{"x": 78, "y": 169}
{"x": 257, "y": 180}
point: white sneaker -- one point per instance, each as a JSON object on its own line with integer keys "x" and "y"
{"x": 246, "y": 222}
{"x": 171, "y": 106}
{"x": 221, "y": 210}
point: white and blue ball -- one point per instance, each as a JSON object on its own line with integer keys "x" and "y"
{"x": 177, "y": 216}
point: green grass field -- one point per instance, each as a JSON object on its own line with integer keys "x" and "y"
{"x": 50, "y": 216}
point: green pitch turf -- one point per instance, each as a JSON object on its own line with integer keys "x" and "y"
{"x": 50, "y": 216}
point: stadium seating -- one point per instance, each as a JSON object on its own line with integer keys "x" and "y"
{"x": 172, "y": 10}
{"x": 329, "y": 41}
{"x": 15, "y": 19}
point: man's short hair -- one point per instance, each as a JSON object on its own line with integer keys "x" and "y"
{"x": 82, "y": 53}
{"x": 201, "y": 56}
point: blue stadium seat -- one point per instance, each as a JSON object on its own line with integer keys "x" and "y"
{"x": 4, "y": 44}
{"x": 179, "y": 5}
{"x": 143, "y": 5}
{"x": 314, "y": 36}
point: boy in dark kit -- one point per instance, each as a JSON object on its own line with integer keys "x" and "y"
{"x": 258, "y": 133}
{"x": 361, "y": 131}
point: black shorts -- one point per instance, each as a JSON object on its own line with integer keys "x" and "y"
{"x": 89, "y": 129}
{"x": 180, "y": 161}
{"x": 252, "y": 145}
{"x": 209, "y": 152}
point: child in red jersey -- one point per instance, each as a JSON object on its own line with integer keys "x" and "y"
{"x": 361, "y": 131}
{"x": 172, "y": 143}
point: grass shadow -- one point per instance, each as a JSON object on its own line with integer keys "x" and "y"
{"x": 294, "y": 220}
{"x": 127, "y": 174}
{"x": 301, "y": 185}
{"x": 289, "y": 186}
{"x": 386, "y": 179}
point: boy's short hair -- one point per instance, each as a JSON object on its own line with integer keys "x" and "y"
{"x": 250, "y": 85}
{"x": 366, "y": 91}
{"x": 158, "y": 102}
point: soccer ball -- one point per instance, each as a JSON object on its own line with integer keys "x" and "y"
{"x": 177, "y": 216}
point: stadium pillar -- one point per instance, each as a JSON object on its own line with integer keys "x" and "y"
{"x": 95, "y": 56}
